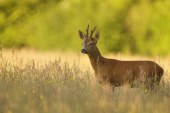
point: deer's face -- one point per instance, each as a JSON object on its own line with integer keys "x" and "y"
{"x": 88, "y": 46}
{"x": 89, "y": 42}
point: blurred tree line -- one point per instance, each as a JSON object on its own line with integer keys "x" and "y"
{"x": 131, "y": 26}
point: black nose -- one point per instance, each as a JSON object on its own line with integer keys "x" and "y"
{"x": 84, "y": 51}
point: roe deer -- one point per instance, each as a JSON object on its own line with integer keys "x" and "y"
{"x": 117, "y": 72}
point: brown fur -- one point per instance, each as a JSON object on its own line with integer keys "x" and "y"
{"x": 116, "y": 72}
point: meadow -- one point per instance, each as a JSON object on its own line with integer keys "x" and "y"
{"x": 57, "y": 82}
{"x": 43, "y": 71}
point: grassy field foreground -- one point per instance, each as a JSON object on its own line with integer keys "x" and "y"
{"x": 56, "y": 86}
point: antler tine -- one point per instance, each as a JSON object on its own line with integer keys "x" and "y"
{"x": 87, "y": 31}
{"x": 92, "y": 32}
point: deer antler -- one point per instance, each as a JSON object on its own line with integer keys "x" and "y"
{"x": 92, "y": 31}
{"x": 87, "y": 31}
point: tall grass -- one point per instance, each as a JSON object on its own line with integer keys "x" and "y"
{"x": 58, "y": 87}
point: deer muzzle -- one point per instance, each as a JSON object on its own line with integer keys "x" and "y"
{"x": 84, "y": 51}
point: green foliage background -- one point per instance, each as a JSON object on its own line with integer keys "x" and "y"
{"x": 130, "y": 26}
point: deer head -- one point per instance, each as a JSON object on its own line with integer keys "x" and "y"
{"x": 89, "y": 41}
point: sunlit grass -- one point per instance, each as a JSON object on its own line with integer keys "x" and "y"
{"x": 56, "y": 86}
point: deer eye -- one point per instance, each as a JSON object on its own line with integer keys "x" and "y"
{"x": 91, "y": 44}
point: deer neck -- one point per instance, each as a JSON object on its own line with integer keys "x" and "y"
{"x": 95, "y": 58}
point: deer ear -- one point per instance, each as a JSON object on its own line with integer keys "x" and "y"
{"x": 81, "y": 34}
{"x": 97, "y": 36}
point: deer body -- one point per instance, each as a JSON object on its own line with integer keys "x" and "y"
{"x": 116, "y": 72}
